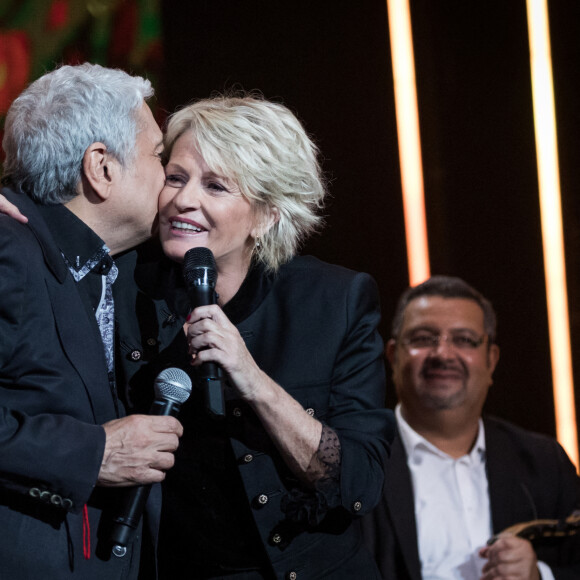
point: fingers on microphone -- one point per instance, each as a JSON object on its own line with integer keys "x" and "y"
{"x": 169, "y": 444}
{"x": 166, "y": 424}
{"x": 164, "y": 461}
{"x": 176, "y": 427}
{"x": 154, "y": 476}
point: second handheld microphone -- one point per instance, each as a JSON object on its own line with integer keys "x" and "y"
{"x": 172, "y": 388}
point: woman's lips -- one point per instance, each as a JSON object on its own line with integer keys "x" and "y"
{"x": 185, "y": 226}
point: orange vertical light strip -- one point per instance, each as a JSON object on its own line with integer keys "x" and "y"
{"x": 409, "y": 140}
{"x": 552, "y": 230}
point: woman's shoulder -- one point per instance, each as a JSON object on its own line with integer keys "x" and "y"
{"x": 314, "y": 275}
{"x": 316, "y": 267}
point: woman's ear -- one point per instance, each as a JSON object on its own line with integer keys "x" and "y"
{"x": 99, "y": 169}
{"x": 268, "y": 219}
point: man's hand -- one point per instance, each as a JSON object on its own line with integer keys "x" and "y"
{"x": 138, "y": 450}
{"x": 7, "y": 208}
{"x": 510, "y": 558}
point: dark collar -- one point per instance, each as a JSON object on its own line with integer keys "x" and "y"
{"x": 247, "y": 299}
{"x": 251, "y": 294}
{"x": 39, "y": 228}
{"x": 75, "y": 239}
{"x": 161, "y": 278}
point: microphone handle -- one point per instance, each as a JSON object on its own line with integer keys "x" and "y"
{"x": 210, "y": 375}
{"x": 135, "y": 498}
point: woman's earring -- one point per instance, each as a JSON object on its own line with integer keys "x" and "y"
{"x": 258, "y": 243}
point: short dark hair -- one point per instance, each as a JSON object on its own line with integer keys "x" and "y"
{"x": 446, "y": 287}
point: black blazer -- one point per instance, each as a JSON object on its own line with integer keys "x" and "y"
{"x": 530, "y": 477}
{"x": 314, "y": 331}
{"x": 54, "y": 395}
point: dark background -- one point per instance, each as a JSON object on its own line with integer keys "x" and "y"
{"x": 330, "y": 63}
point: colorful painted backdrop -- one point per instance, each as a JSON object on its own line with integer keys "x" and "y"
{"x": 37, "y": 35}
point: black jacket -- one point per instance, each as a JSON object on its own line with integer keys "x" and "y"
{"x": 313, "y": 329}
{"x": 54, "y": 397}
{"x": 529, "y": 476}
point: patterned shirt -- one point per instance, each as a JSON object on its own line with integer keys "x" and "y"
{"x": 94, "y": 271}
{"x": 102, "y": 263}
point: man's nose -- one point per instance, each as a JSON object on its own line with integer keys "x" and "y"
{"x": 444, "y": 346}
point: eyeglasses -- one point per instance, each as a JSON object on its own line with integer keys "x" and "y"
{"x": 426, "y": 341}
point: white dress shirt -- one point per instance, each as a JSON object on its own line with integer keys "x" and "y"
{"x": 452, "y": 508}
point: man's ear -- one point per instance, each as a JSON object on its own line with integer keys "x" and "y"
{"x": 493, "y": 357}
{"x": 390, "y": 351}
{"x": 99, "y": 169}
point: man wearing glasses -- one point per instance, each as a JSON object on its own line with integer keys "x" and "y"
{"x": 456, "y": 479}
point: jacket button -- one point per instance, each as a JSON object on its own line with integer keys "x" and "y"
{"x": 56, "y": 499}
{"x": 34, "y": 492}
{"x": 291, "y": 575}
{"x": 67, "y": 503}
{"x": 357, "y": 506}
{"x": 276, "y": 538}
{"x": 45, "y": 496}
{"x": 263, "y": 499}
{"x": 237, "y": 412}
{"x": 248, "y": 457}
{"x": 151, "y": 342}
{"x": 136, "y": 355}
{"x": 310, "y": 411}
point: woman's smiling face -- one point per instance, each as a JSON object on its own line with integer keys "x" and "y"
{"x": 199, "y": 208}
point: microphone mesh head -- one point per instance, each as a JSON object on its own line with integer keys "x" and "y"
{"x": 172, "y": 384}
{"x": 199, "y": 262}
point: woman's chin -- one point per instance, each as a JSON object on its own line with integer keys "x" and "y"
{"x": 176, "y": 251}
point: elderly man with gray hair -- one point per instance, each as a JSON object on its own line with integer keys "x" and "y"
{"x": 82, "y": 163}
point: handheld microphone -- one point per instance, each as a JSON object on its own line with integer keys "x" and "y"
{"x": 172, "y": 388}
{"x": 200, "y": 275}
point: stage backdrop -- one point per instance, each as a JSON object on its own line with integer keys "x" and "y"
{"x": 37, "y": 35}
{"x": 330, "y": 63}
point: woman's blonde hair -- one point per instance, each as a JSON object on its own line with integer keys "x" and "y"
{"x": 264, "y": 149}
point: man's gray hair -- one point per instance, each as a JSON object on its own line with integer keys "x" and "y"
{"x": 51, "y": 124}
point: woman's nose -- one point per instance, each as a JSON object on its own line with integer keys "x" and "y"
{"x": 187, "y": 198}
